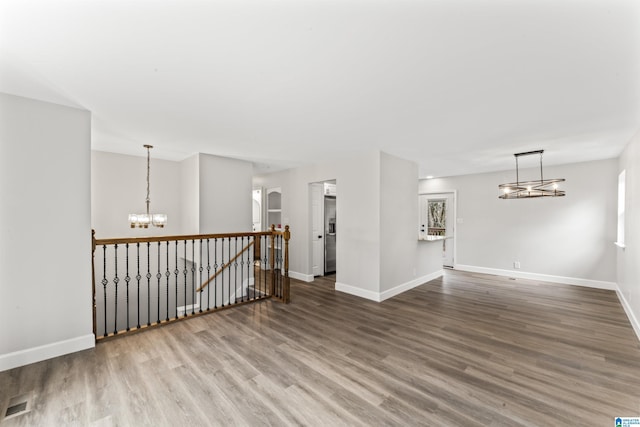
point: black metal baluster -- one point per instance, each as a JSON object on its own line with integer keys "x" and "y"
{"x": 267, "y": 254}
{"x": 168, "y": 275}
{"x": 229, "y": 270}
{"x": 258, "y": 279}
{"x": 249, "y": 268}
{"x": 104, "y": 285}
{"x": 185, "y": 280}
{"x": 235, "y": 272}
{"x": 148, "y": 283}
{"x": 215, "y": 270}
{"x": 208, "y": 274}
{"x": 138, "y": 277}
{"x": 276, "y": 285}
{"x": 116, "y": 280}
{"x": 159, "y": 277}
{"x": 193, "y": 276}
{"x": 222, "y": 269}
{"x": 127, "y": 279}
{"x": 200, "y": 269}
{"x": 260, "y": 271}
{"x": 176, "y": 271}
{"x": 281, "y": 290}
{"x": 242, "y": 269}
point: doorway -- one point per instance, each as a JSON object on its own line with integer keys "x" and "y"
{"x": 323, "y": 198}
{"x": 256, "y": 197}
{"x": 438, "y": 211}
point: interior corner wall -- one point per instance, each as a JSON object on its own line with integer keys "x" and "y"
{"x": 118, "y": 188}
{"x": 378, "y": 254}
{"x": 405, "y": 262}
{"x": 358, "y": 216}
{"x": 569, "y": 239}
{"x": 225, "y": 200}
{"x": 45, "y": 227}
{"x": 628, "y": 267}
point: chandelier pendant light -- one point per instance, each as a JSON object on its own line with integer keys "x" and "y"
{"x": 143, "y": 220}
{"x": 530, "y": 189}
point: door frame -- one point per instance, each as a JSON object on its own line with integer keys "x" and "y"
{"x": 310, "y": 224}
{"x": 312, "y": 250}
{"x": 427, "y": 194}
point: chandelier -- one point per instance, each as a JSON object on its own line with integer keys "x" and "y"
{"x": 529, "y": 189}
{"x": 143, "y": 220}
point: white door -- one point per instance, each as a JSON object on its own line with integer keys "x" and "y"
{"x": 441, "y": 221}
{"x": 317, "y": 229}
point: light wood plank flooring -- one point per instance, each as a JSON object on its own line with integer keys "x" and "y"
{"x": 464, "y": 350}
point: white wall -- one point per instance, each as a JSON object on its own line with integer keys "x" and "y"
{"x": 628, "y": 265}
{"x": 568, "y": 238}
{"x": 201, "y": 194}
{"x": 119, "y": 187}
{"x": 190, "y": 194}
{"x": 403, "y": 257}
{"x": 358, "y": 216}
{"x": 362, "y": 184}
{"x": 225, "y": 195}
{"x": 45, "y": 227}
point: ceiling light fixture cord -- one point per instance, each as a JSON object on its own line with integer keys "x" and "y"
{"x": 144, "y": 220}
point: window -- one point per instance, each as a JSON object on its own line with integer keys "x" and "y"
{"x": 437, "y": 217}
{"x": 621, "y": 202}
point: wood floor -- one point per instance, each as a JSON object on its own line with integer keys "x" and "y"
{"x": 464, "y": 350}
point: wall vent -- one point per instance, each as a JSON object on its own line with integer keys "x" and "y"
{"x": 18, "y": 405}
{"x": 12, "y": 410}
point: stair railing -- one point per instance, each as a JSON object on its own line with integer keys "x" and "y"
{"x": 150, "y": 281}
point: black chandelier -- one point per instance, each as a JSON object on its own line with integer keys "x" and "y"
{"x": 529, "y": 189}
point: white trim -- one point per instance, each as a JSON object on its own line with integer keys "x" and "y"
{"x": 620, "y": 245}
{"x": 301, "y": 276}
{"x": 635, "y": 324}
{"x": 359, "y": 292}
{"x": 541, "y": 277}
{"x": 410, "y": 285}
{"x": 47, "y": 351}
{"x": 381, "y": 296}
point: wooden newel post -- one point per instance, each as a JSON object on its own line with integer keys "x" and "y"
{"x": 272, "y": 260}
{"x": 285, "y": 288}
{"x": 93, "y": 280}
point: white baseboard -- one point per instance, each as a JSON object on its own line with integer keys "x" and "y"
{"x": 44, "y": 352}
{"x": 359, "y": 292}
{"x": 381, "y": 296}
{"x": 301, "y": 276}
{"x": 541, "y": 277}
{"x": 410, "y": 285}
{"x": 635, "y": 324}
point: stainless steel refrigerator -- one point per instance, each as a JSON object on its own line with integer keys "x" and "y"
{"x": 330, "y": 234}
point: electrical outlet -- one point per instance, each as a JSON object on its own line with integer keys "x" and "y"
{"x": 516, "y": 265}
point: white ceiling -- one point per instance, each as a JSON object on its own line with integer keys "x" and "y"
{"x": 456, "y": 85}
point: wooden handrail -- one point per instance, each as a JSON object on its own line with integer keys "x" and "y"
{"x": 223, "y": 266}
{"x": 124, "y": 240}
